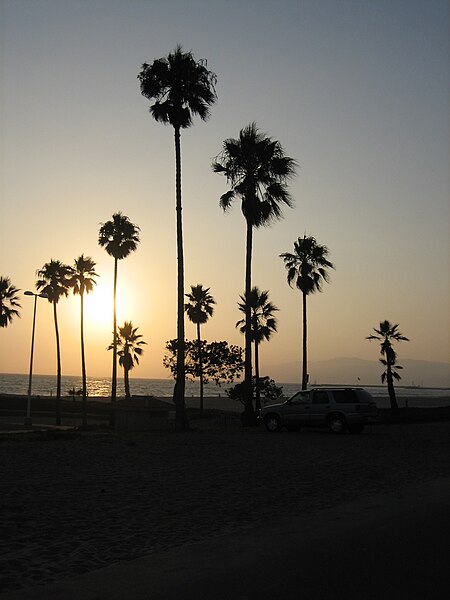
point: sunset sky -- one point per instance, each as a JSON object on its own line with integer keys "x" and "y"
{"x": 356, "y": 91}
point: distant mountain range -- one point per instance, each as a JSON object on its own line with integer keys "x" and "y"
{"x": 364, "y": 372}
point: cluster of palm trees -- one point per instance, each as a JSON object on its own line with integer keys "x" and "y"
{"x": 119, "y": 237}
{"x": 257, "y": 171}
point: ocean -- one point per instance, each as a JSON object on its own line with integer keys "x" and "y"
{"x": 45, "y": 385}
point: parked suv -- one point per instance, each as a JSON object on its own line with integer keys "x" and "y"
{"x": 339, "y": 409}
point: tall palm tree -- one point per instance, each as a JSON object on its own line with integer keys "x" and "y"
{"x": 181, "y": 88}
{"x": 54, "y": 282}
{"x": 199, "y": 309}
{"x": 307, "y": 266}
{"x": 257, "y": 170}
{"x": 386, "y": 334}
{"x": 9, "y": 302}
{"x": 119, "y": 237}
{"x": 129, "y": 343}
{"x": 263, "y": 324}
{"x": 83, "y": 281}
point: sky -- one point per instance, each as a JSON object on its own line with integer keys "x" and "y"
{"x": 355, "y": 90}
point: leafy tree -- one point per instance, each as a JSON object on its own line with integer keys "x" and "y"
{"x": 269, "y": 390}
{"x": 119, "y": 237}
{"x": 263, "y": 324}
{"x": 82, "y": 282}
{"x": 307, "y": 266}
{"x": 199, "y": 309}
{"x": 54, "y": 282}
{"x": 221, "y": 362}
{"x": 181, "y": 88}
{"x": 388, "y": 333}
{"x": 257, "y": 170}
{"x": 9, "y": 302}
{"x": 129, "y": 343}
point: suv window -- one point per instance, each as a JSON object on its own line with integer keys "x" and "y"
{"x": 364, "y": 396}
{"x": 345, "y": 397}
{"x": 299, "y": 398}
{"x": 320, "y": 397}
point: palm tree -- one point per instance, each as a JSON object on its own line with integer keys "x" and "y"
{"x": 386, "y": 334}
{"x": 82, "y": 281}
{"x": 199, "y": 309}
{"x": 129, "y": 343}
{"x": 119, "y": 237}
{"x": 257, "y": 170}
{"x": 54, "y": 282}
{"x": 181, "y": 88}
{"x": 263, "y": 324}
{"x": 307, "y": 266}
{"x": 9, "y": 302}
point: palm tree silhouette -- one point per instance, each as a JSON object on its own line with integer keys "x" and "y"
{"x": 119, "y": 237}
{"x": 308, "y": 267}
{"x": 386, "y": 334}
{"x": 82, "y": 281}
{"x": 199, "y": 309}
{"x": 263, "y": 324}
{"x": 54, "y": 282}
{"x": 257, "y": 170}
{"x": 129, "y": 343}
{"x": 9, "y": 302}
{"x": 181, "y": 87}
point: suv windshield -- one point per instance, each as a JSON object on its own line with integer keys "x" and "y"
{"x": 299, "y": 397}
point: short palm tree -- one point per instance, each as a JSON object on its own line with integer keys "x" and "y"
{"x": 388, "y": 333}
{"x": 9, "y": 302}
{"x": 307, "y": 266}
{"x": 129, "y": 343}
{"x": 54, "y": 282}
{"x": 263, "y": 324}
{"x": 257, "y": 170}
{"x": 181, "y": 88}
{"x": 199, "y": 309}
{"x": 82, "y": 282}
{"x": 119, "y": 237}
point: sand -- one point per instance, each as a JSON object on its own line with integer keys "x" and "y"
{"x": 75, "y": 502}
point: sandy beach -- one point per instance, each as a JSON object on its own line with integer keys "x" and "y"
{"x": 74, "y": 502}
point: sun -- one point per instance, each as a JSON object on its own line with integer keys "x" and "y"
{"x": 98, "y": 308}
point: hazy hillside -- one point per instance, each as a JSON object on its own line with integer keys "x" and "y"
{"x": 360, "y": 371}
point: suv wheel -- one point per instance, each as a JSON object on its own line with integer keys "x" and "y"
{"x": 272, "y": 422}
{"x": 336, "y": 424}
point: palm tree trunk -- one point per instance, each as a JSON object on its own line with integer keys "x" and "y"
{"x": 391, "y": 389}
{"x": 126, "y": 378}
{"x": 200, "y": 364}
{"x": 257, "y": 390}
{"x": 58, "y": 368}
{"x": 181, "y": 422}
{"x": 114, "y": 365}
{"x": 83, "y": 361}
{"x": 305, "y": 345}
{"x": 248, "y": 418}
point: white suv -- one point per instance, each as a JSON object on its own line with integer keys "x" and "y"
{"x": 339, "y": 409}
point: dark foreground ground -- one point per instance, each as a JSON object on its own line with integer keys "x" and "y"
{"x": 76, "y": 502}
